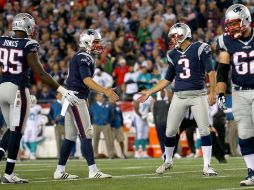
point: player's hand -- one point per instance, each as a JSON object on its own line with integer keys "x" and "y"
{"x": 212, "y": 98}
{"x": 144, "y": 96}
{"x": 110, "y": 93}
{"x": 71, "y": 97}
{"x": 222, "y": 101}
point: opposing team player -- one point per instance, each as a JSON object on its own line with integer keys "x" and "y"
{"x": 32, "y": 130}
{"x": 19, "y": 53}
{"x": 188, "y": 63}
{"x": 236, "y": 48}
{"x": 77, "y": 119}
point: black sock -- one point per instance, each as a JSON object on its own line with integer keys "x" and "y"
{"x": 65, "y": 152}
{"x": 13, "y": 148}
{"x": 87, "y": 151}
{"x": 4, "y": 143}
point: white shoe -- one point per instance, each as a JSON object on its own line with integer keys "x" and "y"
{"x": 64, "y": 175}
{"x": 249, "y": 180}
{"x": 32, "y": 157}
{"x": 136, "y": 155}
{"x": 12, "y": 179}
{"x": 176, "y": 155}
{"x": 99, "y": 174}
{"x": 165, "y": 166}
{"x": 191, "y": 155}
{"x": 209, "y": 172}
{"x": 145, "y": 155}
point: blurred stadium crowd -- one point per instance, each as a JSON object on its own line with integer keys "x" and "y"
{"x": 135, "y": 34}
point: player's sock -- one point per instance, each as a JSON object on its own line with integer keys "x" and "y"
{"x": 137, "y": 143}
{"x": 65, "y": 152}
{"x": 169, "y": 148}
{"x": 87, "y": 150}
{"x": 247, "y": 150}
{"x": 206, "y": 143}
{"x": 143, "y": 144}
{"x": 4, "y": 143}
{"x": 33, "y": 147}
{"x": 13, "y": 148}
{"x": 93, "y": 168}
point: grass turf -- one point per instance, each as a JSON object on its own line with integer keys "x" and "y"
{"x": 131, "y": 174}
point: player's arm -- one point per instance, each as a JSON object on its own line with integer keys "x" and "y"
{"x": 109, "y": 92}
{"x": 136, "y": 108}
{"x": 170, "y": 75}
{"x": 222, "y": 71}
{"x": 35, "y": 64}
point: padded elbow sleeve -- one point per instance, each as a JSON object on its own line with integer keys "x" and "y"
{"x": 222, "y": 72}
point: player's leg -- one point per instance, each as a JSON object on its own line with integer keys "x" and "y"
{"x": 83, "y": 124}
{"x": 176, "y": 113}
{"x": 33, "y": 141}
{"x": 144, "y": 139}
{"x": 4, "y": 142}
{"x": 243, "y": 110}
{"x": 200, "y": 110}
{"x": 18, "y": 116}
{"x": 138, "y": 123}
{"x": 68, "y": 142}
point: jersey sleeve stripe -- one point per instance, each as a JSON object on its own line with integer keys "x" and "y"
{"x": 201, "y": 48}
{"x": 169, "y": 58}
{"x": 221, "y": 43}
{"x": 31, "y": 42}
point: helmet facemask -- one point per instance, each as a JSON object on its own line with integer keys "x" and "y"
{"x": 175, "y": 40}
{"x": 235, "y": 28}
{"x": 97, "y": 47}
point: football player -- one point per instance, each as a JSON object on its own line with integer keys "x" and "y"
{"x": 77, "y": 119}
{"x": 188, "y": 63}
{"x": 19, "y": 53}
{"x": 236, "y": 51}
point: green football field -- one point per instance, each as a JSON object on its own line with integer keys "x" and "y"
{"x": 131, "y": 174}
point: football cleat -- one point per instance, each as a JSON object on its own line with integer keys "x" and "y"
{"x": 12, "y": 179}
{"x": 249, "y": 180}
{"x": 98, "y": 175}
{"x": 165, "y": 166}
{"x": 209, "y": 172}
{"x": 64, "y": 175}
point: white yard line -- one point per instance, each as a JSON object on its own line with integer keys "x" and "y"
{"x": 235, "y": 188}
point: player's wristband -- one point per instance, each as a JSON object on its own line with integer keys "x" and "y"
{"x": 61, "y": 90}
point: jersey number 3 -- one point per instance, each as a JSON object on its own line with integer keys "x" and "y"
{"x": 8, "y": 58}
{"x": 186, "y": 68}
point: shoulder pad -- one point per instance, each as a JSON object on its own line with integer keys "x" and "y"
{"x": 203, "y": 47}
{"x": 169, "y": 52}
{"x": 31, "y": 41}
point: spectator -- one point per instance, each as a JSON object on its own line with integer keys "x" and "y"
{"x": 130, "y": 82}
{"x": 156, "y": 28}
{"x": 117, "y": 126}
{"x": 144, "y": 77}
{"x": 58, "y": 122}
{"x": 103, "y": 78}
{"x": 100, "y": 119}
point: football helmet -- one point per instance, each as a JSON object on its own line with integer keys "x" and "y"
{"x": 24, "y": 22}
{"x": 92, "y": 41}
{"x": 237, "y": 20}
{"x": 178, "y": 33}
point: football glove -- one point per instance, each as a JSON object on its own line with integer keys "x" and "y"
{"x": 222, "y": 101}
{"x": 69, "y": 95}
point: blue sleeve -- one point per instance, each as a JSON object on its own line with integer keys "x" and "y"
{"x": 84, "y": 68}
{"x": 32, "y": 46}
{"x": 171, "y": 72}
{"x": 206, "y": 59}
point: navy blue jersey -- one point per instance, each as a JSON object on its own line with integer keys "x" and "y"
{"x": 13, "y": 59}
{"x": 188, "y": 68}
{"x": 81, "y": 66}
{"x": 241, "y": 58}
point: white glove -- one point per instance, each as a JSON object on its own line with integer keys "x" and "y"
{"x": 222, "y": 101}
{"x": 69, "y": 95}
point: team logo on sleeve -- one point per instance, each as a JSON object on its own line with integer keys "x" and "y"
{"x": 207, "y": 49}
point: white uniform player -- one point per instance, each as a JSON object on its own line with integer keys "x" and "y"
{"x": 140, "y": 122}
